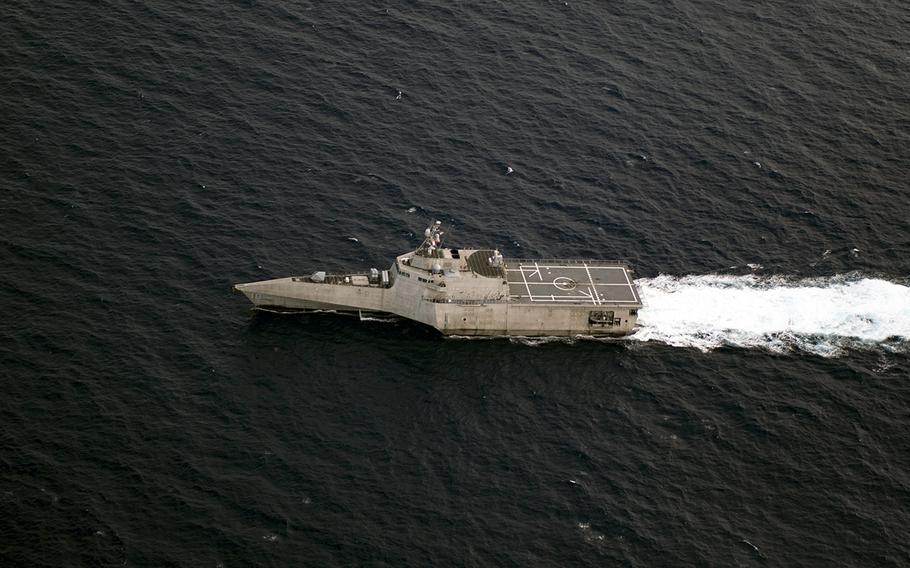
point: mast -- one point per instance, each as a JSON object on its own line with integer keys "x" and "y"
{"x": 432, "y": 240}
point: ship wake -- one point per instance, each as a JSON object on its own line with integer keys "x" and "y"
{"x": 823, "y": 316}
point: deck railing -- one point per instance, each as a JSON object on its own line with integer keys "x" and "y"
{"x": 338, "y": 278}
{"x": 468, "y": 302}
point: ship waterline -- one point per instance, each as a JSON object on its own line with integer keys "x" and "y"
{"x": 471, "y": 292}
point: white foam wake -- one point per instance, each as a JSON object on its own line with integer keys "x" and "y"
{"x": 821, "y": 316}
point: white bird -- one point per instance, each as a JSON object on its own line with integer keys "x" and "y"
{"x": 398, "y": 98}
{"x": 509, "y": 170}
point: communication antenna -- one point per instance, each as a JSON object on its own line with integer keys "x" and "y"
{"x": 432, "y": 239}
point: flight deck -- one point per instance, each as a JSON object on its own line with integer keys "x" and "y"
{"x": 570, "y": 282}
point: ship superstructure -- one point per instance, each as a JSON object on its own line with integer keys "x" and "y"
{"x": 471, "y": 291}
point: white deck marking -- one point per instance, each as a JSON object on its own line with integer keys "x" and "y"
{"x": 579, "y": 299}
{"x": 528, "y": 288}
{"x": 588, "y": 295}
{"x": 551, "y": 284}
{"x": 594, "y": 293}
{"x": 593, "y": 285}
{"x": 594, "y": 297}
{"x": 629, "y": 282}
{"x": 563, "y": 283}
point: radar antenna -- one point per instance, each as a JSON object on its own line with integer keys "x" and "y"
{"x": 432, "y": 240}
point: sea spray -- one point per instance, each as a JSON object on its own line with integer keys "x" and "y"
{"x": 819, "y": 315}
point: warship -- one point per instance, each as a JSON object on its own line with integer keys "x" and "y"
{"x": 470, "y": 291}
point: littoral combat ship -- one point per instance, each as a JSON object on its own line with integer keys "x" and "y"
{"x": 471, "y": 291}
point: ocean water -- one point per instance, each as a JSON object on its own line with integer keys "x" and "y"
{"x": 749, "y": 159}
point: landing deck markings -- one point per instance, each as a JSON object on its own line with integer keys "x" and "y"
{"x": 581, "y": 284}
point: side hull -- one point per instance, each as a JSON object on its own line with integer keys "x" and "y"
{"x": 293, "y": 304}
{"x": 533, "y": 320}
{"x": 410, "y": 301}
{"x": 531, "y": 333}
{"x": 293, "y": 294}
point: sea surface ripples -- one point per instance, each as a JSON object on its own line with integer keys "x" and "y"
{"x": 154, "y": 154}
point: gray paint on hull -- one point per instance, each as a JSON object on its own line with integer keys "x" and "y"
{"x": 459, "y": 301}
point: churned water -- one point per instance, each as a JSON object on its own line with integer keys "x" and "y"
{"x": 749, "y": 159}
{"x": 824, "y": 316}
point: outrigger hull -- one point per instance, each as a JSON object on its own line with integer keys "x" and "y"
{"x": 287, "y": 294}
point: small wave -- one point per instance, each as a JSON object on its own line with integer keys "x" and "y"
{"x": 543, "y": 340}
{"x": 293, "y": 312}
{"x": 524, "y": 340}
{"x": 382, "y": 319}
{"x": 823, "y": 316}
{"x": 538, "y": 340}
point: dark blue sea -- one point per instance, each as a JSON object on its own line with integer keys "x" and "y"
{"x": 750, "y": 159}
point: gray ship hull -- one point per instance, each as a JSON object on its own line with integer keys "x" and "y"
{"x": 466, "y": 320}
{"x": 465, "y": 298}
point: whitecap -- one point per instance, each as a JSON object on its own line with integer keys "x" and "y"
{"x": 821, "y": 316}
